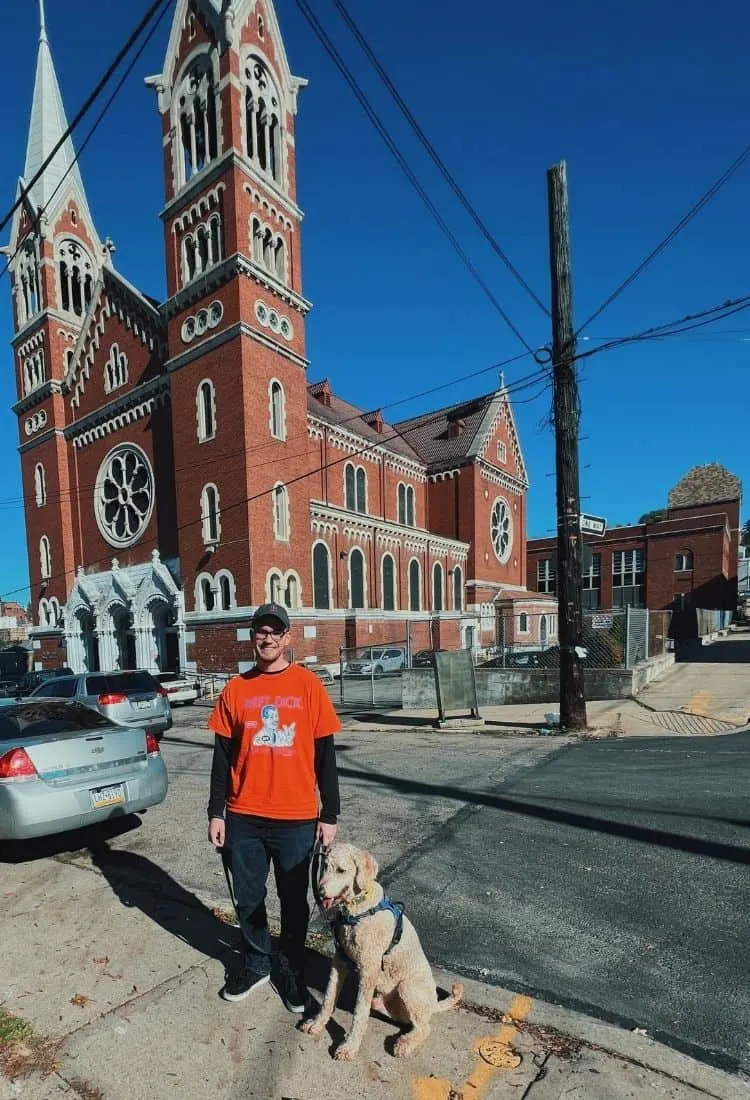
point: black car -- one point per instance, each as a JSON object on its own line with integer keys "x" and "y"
{"x": 425, "y": 658}
{"x": 30, "y": 681}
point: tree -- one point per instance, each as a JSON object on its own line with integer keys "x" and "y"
{"x": 745, "y": 533}
{"x": 656, "y": 516}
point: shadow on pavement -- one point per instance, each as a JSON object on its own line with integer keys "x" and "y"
{"x": 76, "y": 840}
{"x": 716, "y": 653}
{"x": 141, "y": 884}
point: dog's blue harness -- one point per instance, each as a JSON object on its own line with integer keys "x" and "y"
{"x": 346, "y": 919}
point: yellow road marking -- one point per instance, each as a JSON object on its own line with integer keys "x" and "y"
{"x": 498, "y": 1047}
{"x": 699, "y": 704}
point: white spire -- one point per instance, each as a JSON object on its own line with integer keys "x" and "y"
{"x": 48, "y": 124}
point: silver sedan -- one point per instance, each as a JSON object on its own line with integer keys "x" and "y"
{"x": 63, "y": 765}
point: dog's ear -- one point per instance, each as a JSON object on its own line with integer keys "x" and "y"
{"x": 366, "y": 870}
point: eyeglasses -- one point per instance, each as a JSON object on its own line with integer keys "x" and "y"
{"x": 276, "y": 634}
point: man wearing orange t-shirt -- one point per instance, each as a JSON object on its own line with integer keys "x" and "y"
{"x": 273, "y": 757}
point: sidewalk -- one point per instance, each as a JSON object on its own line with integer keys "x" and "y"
{"x": 120, "y": 995}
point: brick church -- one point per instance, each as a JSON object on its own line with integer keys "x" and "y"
{"x": 180, "y": 466}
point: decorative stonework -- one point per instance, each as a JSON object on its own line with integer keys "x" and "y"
{"x": 270, "y": 318}
{"x": 501, "y": 530}
{"x": 124, "y": 495}
{"x": 35, "y": 423}
{"x": 204, "y": 320}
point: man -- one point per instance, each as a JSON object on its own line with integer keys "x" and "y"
{"x": 274, "y": 731}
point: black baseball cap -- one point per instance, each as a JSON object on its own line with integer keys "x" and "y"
{"x": 270, "y": 611}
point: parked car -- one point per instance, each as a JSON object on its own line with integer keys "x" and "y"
{"x": 64, "y": 765}
{"x": 425, "y": 658}
{"x": 127, "y": 698}
{"x": 30, "y": 681}
{"x": 376, "y": 662}
{"x": 179, "y": 689}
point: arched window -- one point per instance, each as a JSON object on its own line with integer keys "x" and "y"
{"x": 361, "y": 489}
{"x": 203, "y": 246}
{"x": 277, "y": 410}
{"x": 208, "y": 600}
{"x": 45, "y": 612}
{"x": 291, "y": 591}
{"x": 280, "y": 259}
{"x": 210, "y": 515}
{"x": 402, "y": 503}
{"x": 40, "y": 485}
{"x": 34, "y": 373}
{"x": 281, "y": 513}
{"x": 415, "y": 586}
{"x": 321, "y": 576}
{"x": 206, "y": 410}
{"x": 45, "y": 558}
{"x": 28, "y": 297}
{"x": 257, "y": 241}
{"x": 410, "y": 507}
{"x": 189, "y": 258}
{"x": 196, "y": 122}
{"x": 389, "y": 583}
{"x": 437, "y": 587}
{"x": 226, "y": 590}
{"x": 356, "y": 578}
{"x": 458, "y": 589}
{"x": 683, "y": 561}
{"x": 275, "y": 588}
{"x": 217, "y": 247}
{"x": 76, "y": 274}
{"x": 262, "y": 119}
{"x": 115, "y": 369}
{"x": 350, "y": 489}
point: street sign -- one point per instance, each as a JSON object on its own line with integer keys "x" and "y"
{"x": 593, "y": 525}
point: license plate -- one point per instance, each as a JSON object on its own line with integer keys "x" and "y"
{"x": 143, "y": 704}
{"x": 107, "y": 796}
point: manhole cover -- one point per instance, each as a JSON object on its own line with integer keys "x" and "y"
{"x": 498, "y": 1054}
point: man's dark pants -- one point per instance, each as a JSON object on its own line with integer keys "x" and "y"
{"x": 252, "y": 846}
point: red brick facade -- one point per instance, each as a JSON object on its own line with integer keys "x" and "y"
{"x": 190, "y": 469}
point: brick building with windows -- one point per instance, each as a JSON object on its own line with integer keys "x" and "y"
{"x": 178, "y": 467}
{"x": 684, "y": 557}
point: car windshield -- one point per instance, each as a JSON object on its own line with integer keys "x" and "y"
{"x": 120, "y": 682}
{"x": 26, "y": 720}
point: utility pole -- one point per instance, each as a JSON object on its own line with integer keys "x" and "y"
{"x": 566, "y": 414}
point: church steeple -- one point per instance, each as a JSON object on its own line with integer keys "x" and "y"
{"x": 48, "y": 124}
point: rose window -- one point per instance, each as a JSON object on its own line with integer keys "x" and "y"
{"x": 501, "y": 530}
{"x": 124, "y": 495}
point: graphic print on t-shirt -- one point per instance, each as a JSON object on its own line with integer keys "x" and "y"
{"x": 270, "y": 734}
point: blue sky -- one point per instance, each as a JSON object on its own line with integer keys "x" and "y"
{"x": 648, "y": 104}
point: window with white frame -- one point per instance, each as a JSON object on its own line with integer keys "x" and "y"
{"x": 406, "y": 505}
{"x": 523, "y": 623}
{"x": 546, "y": 576}
{"x": 437, "y": 587}
{"x": 202, "y": 249}
{"x": 502, "y": 452}
{"x": 45, "y": 558}
{"x": 268, "y": 249}
{"x": 34, "y": 372}
{"x": 276, "y": 588}
{"x": 196, "y": 119}
{"x": 628, "y": 578}
{"x": 76, "y": 274}
{"x": 291, "y": 591}
{"x": 321, "y": 576}
{"x": 263, "y": 119}
{"x": 225, "y": 590}
{"x": 277, "y": 409}
{"x": 210, "y": 515}
{"x": 592, "y": 584}
{"x": 115, "y": 369}
{"x": 205, "y": 402}
{"x": 40, "y": 485}
{"x": 361, "y": 488}
{"x": 357, "y": 595}
{"x": 281, "y": 513}
{"x": 27, "y": 285}
{"x": 415, "y": 586}
{"x": 207, "y": 594}
{"x": 458, "y": 588}
{"x": 350, "y": 487}
{"x": 683, "y": 561}
{"x": 389, "y": 583}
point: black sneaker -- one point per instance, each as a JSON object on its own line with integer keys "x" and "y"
{"x": 241, "y": 983}
{"x": 290, "y": 986}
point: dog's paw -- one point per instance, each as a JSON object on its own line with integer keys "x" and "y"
{"x": 345, "y": 1053}
{"x": 312, "y": 1027}
{"x": 403, "y": 1047}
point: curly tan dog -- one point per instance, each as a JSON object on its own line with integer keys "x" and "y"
{"x": 394, "y": 977}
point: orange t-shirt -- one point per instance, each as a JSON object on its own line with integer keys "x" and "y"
{"x": 274, "y": 719}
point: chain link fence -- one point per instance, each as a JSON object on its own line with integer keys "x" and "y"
{"x": 620, "y": 638}
{"x": 371, "y": 675}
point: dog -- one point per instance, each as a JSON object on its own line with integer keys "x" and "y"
{"x": 375, "y": 937}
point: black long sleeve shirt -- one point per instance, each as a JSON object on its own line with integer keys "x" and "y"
{"x": 326, "y": 776}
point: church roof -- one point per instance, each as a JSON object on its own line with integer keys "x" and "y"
{"x": 449, "y": 434}
{"x": 48, "y": 124}
{"x": 342, "y": 414}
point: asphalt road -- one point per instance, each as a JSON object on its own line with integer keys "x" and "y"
{"x": 611, "y": 876}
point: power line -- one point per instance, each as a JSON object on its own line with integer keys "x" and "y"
{"x": 694, "y": 210}
{"x": 88, "y": 103}
{"x": 97, "y": 123}
{"x": 223, "y": 510}
{"x": 433, "y": 154}
{"x": 403, "y": 164}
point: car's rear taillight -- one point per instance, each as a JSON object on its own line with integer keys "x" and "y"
{"x": 17, "y": 764}
{"x": 112, "y": 698}
{"x": 164, "y": 693}
{"x": 152, "y": 745}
